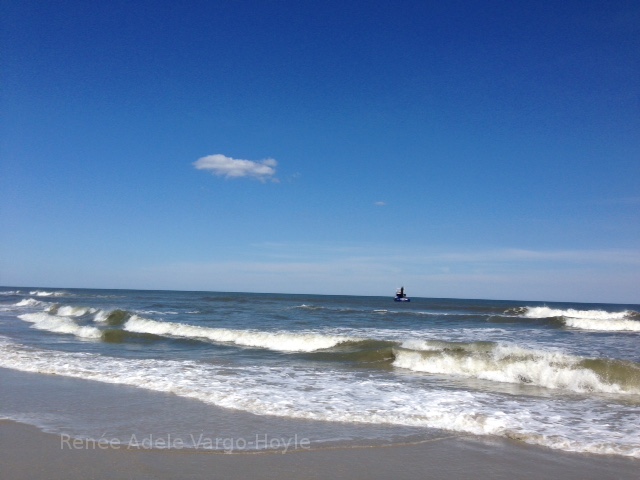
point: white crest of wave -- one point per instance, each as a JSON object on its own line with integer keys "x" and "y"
{"x": 56, "y": 324}
{"x": 546, "y": 312}
{"x": 506, "y": 363}
{"x": 589, "y": 319}
{"x": 309, "y": 307}
{"x": 29, "y": 302}
{"x": 69, "y": 311}
{"x": 280, "y": 341}
{"x": 615, "y": 325}
{"x": 42, "y": 293}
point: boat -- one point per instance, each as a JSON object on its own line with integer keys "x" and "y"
{"x": 401, "y": 296}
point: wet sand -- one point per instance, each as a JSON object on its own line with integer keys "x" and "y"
{"x": 28, "y": 453}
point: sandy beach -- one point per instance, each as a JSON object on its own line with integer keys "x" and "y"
{"x": 28, "y": 453}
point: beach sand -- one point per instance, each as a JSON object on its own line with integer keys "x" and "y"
{"x": 28, "y": 453}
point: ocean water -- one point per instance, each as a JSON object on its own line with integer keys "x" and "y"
{"x": 239, "y": 371}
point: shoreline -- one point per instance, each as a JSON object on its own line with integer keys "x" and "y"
{"x": 26, "y": 452}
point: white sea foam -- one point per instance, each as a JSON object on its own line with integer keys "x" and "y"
{"x": 69, "y": 311}
{"x": 42, "y": 293}
{"x": 615, "y": 325}
{"x": 506, "y": 363}
{"x": 588, "y": 319}
{"x": 309, "y": 307}
{"x": 101, "y": 316}
{"x": 29, "y": 302}
{"x": 56, "y": 324}
{"x": 546, "y": 312}
{"x": 280, "y": 341}
{"x": 346, "y": 396}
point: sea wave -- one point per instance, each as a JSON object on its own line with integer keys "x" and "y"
{"x": 112, "y": 317}
{"x": 304, "y": 306}
{"x": 627, "y": 320}
{"x": 58, "y": 324}
{"x": 367, "y": 353}
{"x": 70, "y": 311}
{"x": 546, "y": 312}
{"x": 621, "y": 325}
{"x": 279, "y": 341}
{"x": 513, "y": 364}
{"x": 29, "y": 302}
{"x": 44, "y": 293}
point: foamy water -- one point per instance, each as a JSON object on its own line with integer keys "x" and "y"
{"x": 513, "y": 364}
{"x": 590, "y": 319}
{"x": 282, "y": 341}
{"x": 57, "y": 324}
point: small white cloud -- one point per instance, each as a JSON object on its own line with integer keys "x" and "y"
{"x": 380, "y": 204}
{"x": 228, "y": 167}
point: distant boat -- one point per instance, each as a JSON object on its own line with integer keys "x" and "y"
{"x": 401, "y": 296}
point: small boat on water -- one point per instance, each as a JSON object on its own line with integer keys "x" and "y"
{"x": 401, "y": 296}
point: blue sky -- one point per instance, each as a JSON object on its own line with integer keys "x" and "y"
{"x": 475, "y": 149}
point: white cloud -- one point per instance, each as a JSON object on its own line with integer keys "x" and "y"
{"x": 228, "y": 167}
{"x": 380, "y": 204}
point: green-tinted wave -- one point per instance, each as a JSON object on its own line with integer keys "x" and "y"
{"x": 620, "y": 372}
{"x": 117, "y": 318}
{"x": 513, "y": 364}
{"x": 365, "y": 353}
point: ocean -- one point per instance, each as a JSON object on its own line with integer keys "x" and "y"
{"x": 248, "y": 371}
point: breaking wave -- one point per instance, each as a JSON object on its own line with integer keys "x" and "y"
{"x": 43, "y": 293}
{"x": 279, "y": 341}
{"x": 70, "y": 311}
{"x": 363, "y": 353}
{"x": 112, "y": 317}
{"x": 29, "y": 302}
{"x": 546, "y": 312}
{"x": 628, "y": 320}
{"x": 58, "y": 324}
{"x": 622, "y": 325}
{"x": 513, "y": 364}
